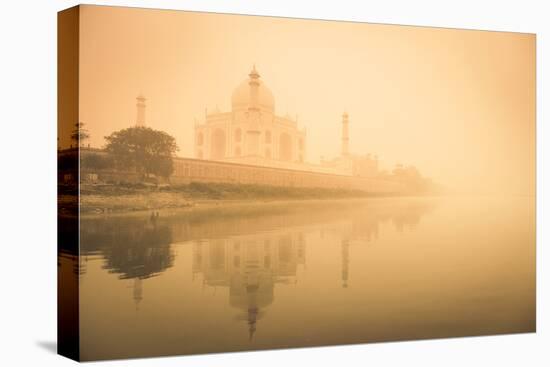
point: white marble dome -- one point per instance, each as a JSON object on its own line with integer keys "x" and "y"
{"x": 240, "y": 98}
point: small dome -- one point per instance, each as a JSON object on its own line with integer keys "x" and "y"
{"x": 241, "y": 95}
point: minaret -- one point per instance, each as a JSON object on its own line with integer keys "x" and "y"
{"x": 345, "y": 134}
{"x": 254, "y": 83}
{"x": 253, "y": 133}
{"x": 140, "y": 107}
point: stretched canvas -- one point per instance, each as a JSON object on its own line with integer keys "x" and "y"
{"x": 235, "y": 183}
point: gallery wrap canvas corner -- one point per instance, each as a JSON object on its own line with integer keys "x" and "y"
{"x": 235, "y": 183}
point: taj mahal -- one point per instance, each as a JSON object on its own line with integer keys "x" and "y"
{"x": 253, "y": 134}
{"x": 251, "y": 144}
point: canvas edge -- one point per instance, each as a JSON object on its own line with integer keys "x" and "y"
{"x": 68, "y": 249}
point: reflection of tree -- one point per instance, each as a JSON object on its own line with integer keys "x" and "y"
{"x": 134, "y": 250}
{"x": 67, "y": 244}
{"x": 142, "y": 253}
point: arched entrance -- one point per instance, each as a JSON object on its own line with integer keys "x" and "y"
{"x": 217, "y": 147}
{"x": 285, "y": 147}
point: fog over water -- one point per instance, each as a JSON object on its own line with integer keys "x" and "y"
{"x": 303, "y": 274}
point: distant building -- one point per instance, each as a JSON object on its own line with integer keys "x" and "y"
{"x": 253, "y": 134}
{"x": 351, "y": 164}
{"x": 252, "y": 145}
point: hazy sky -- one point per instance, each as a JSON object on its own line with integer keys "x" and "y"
{"x": 459, "y": 105}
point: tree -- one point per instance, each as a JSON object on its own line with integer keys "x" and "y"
{"x": 79, "y": 134}
{"x": 95, "y": 161}
{"x": 411, "y": 178}
{"x": 146, "y": 150}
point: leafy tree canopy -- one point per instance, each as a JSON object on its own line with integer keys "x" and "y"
{"x": 96, "y": 161}
{"x": 146, "y": 150}
{"x": 79, "y": 134}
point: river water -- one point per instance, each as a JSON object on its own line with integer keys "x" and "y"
{"x": 278, "y": 275}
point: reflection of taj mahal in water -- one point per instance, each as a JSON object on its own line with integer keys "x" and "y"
{"x": 250, "y": 266}
{"x": 247, "y": 252}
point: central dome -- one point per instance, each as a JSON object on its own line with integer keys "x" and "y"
{"x": 241, "y": 95}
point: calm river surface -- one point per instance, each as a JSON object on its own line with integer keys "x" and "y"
{"x": 305, "y": 274}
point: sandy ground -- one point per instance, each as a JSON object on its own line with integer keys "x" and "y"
{"x": 133, "y": 202}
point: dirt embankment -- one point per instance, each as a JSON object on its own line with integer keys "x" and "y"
{"x": 128, "y": 198}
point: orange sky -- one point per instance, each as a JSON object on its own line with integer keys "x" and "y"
{"x": 459, "y": 105}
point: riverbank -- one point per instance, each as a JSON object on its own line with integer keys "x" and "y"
{"x": 98, "y": 199}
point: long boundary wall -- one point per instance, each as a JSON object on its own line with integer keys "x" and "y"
{"x": 188, "y": 170}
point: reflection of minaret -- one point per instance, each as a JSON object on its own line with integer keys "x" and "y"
{"x": 140, "y": 106}
{"x": 252, "y": 316}
{"x": 138, "y": 292}
{"x": 345, "y": 134}
{"x": 345, "y": 263}
{"x": 254, "y": 278}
